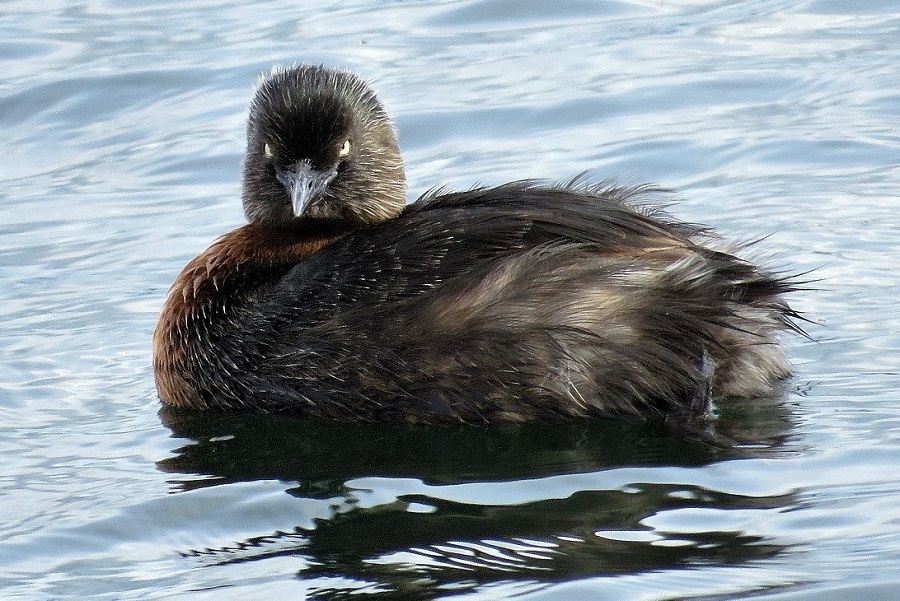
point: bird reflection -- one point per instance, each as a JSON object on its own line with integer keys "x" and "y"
{"x": 423, "y": 543}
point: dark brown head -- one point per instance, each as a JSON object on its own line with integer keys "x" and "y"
{"x": 320, "y": 147}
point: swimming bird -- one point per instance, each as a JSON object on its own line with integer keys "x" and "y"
{"x": 524, "y": 301}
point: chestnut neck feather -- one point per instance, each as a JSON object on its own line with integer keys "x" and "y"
{"x": 210, "y": 287}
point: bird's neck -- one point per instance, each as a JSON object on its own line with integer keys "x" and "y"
{"x": 207, "y": 292}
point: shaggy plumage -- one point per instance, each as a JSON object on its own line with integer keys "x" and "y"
{"x": 517, "y": 302}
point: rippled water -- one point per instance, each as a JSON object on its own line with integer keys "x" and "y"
{"x": 123, "y": 131}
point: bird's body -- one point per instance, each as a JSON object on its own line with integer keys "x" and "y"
{"x": 511, "y": 303}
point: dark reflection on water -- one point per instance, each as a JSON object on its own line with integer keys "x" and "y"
{"x": 419, "y": 544}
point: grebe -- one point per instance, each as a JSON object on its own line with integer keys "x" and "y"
{"x": 517, "y": 302}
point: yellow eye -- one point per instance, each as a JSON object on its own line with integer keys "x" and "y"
{"x": 267, "y": 150}
{"x": 345, "y": 149}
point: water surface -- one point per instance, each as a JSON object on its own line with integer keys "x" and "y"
{"x": 123, "y": 134}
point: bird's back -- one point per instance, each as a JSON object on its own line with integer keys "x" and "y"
{"x": 512, "y": 303}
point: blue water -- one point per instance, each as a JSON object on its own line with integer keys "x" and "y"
{"x": 122, "y": 139}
